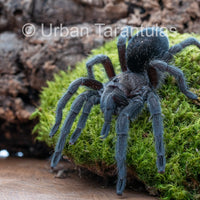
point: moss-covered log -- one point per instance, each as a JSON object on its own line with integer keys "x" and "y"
{"x": 181, "y": 122}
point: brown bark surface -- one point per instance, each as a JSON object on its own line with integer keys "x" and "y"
{"x": 27, "y": 63}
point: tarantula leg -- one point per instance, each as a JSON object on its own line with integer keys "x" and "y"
{"x": 177, "y": 73}
{"x": 93, "y": 84}
{"x": 121, "y": 45}
{"x": 107, "y": 107}
{"x": 178, "y": 47}
{"x": 109, "y": 99}
{"x": 93, "y": 100}
{"x": 108, "y": 112}
{"x": 75, "y": 109}
{"x": 155, "y": 110}
{"x": 105, "y": 61}
{"x": 129, "y": 112}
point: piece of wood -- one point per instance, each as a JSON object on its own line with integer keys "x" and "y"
{"x": 31, "y": 179}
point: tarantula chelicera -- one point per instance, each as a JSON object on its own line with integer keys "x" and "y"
{"x": 143, "y": 64}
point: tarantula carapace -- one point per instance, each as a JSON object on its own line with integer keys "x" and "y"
{"x": 143, "y": 64}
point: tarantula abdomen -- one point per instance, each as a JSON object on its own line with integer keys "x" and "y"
{"x": 148, "y": 44}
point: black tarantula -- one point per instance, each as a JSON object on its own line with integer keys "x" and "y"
{"x": 143, "y": 64}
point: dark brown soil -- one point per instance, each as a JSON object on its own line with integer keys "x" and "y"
{"x": 31, "y": 179}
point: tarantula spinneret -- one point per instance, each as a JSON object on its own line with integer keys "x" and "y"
{"x": 143, "y": 64}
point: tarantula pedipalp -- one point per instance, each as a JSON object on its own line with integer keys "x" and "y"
{"x": 143, "y": 64}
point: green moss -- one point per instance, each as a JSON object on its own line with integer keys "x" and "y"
{"x": 182, "y": 127}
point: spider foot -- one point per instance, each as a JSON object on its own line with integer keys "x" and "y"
{"x": 161, "y": 164}
{"x": 71, "y": 143}
{"x": 105, "y": 130}
{"x": 191, "y": 95}
{"x": 121, "y": 183}
{"x": 55, "y": 159}
{"x": 75, "y": 136}
{"x": 161, "y": 172}
{"x": 53, "y": 130}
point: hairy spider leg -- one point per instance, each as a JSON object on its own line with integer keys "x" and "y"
{"x": 105, "y": 61}
{"x": 121, "y": 45}
{"x": 65, "y": 130}
{"x": 120, "y": 98}
{"x": 131, "y": 111}
{"x": 177, "y": 73}
{"x": 73, "y": 87}
{"x": 108, "y": 107}
{"x": 156, "y": 113}
{"x": 110, "y": 99}
{"x": 93, "y": 100}
{"x": 178, "y": 47}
